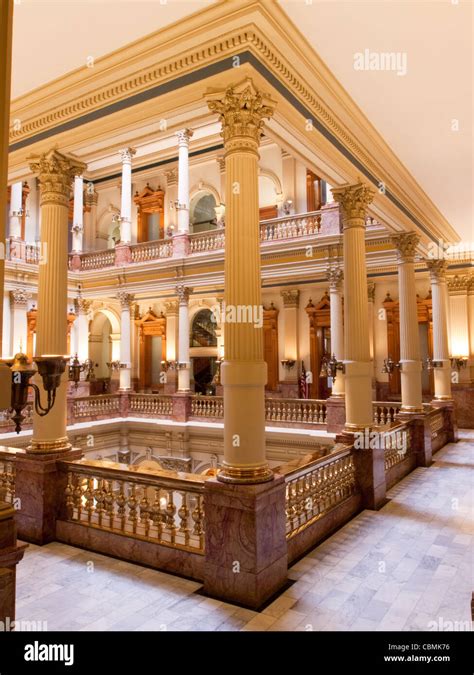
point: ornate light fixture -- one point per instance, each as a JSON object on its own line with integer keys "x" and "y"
{"x": 330, "y": 366}
{"x": 286, "y": 207}
{"x": 389, "y": 366}
{"x": 288, "y": 364}
{"x": 115, "y": 365}
{"x": 458, "y": 362}
{"x": 76, "y": 368}
{"x": 50, "y": 367}
{"x": 169, "y": 365}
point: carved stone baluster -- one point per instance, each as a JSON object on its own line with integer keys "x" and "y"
{"x": 183, "y": 514}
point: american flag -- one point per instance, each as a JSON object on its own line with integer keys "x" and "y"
{"x": 303, "y": 385}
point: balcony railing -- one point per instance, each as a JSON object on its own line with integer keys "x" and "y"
{"x": 290, "y": 227}
{"x": 316, "y": 486}
{"x": 97, "y": 260}
{"x": 32, "y": 254}
{"x": 295, "y": 410}
{"x": 7, "y": 474}
{"x": 396, "y": 446}
{"x": 163, "y": 507}
{"x": 385, "y": 412}
{"x": 207, "y": 406}
{"x": 213, "y": 240}
{"x": 157, "y": 405}
{"x": 151, "y": 250}
{"x": 96, "y": 406}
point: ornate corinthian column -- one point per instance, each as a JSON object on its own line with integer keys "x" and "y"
{"x": 183, "y": 293}
{"x": 55, "y": 174}
{"x": 242, "y": 110}
{"x": 410, "y": 359}
{"x": 353, "y": 200}
{"x": 126, "y": 300}
{"x": 439, "y": 295}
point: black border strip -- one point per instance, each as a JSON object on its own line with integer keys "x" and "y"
{"x": 196, "y": 76}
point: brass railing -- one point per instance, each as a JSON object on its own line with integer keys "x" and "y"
{"x": 91, "y": 406}
{"x": 151, "y": 250}
{"x": 207, "y": 406}
{"x": 295, "y": 410}
{"x": 397, "y": 445}
{"x": 385, "y": 411}
{"x": 315, "y": 487}
{"x": 151, "y": 404}
{"x": 7, "y": 474}
{"x": 164, "y": 507}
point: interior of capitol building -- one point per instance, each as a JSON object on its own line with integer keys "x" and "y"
{"x": 237, "y": 340}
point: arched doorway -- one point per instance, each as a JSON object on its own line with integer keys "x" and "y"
{"x": 203, "y": 351}
{"x": 104, "y": 347}
{"x": 202, "y": 214}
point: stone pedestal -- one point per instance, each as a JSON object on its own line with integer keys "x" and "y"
{"x": 75, "y": 262}
{"x": 181, "y": 406}
{"x": 370, "y": 475}
{"x": 123, "y": 255}
{"x": 40, "y": 488}
{"x": 421, "y": 437}
{"x": 10, "y": 555}
{"x": 335, "y": 414}
{"x": 246, "y": 551}
{"x": 180, "y": 245}
{"x": 450, "y": 420}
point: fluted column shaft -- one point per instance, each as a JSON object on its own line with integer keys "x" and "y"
{"x": 410, "y": 359}
{"x": 55, "y": 173}
{"x": 244, "y": 371}
{"x": 126, "y": 300}
{"x": 354, "y": 200}
{"x": 291, "y": 301}
{"x": 82, "y": 307}
{"x": 337, "y": 330}
{"x": 126, "y": 196}
{"x": 184, "y": 376}
{"x": 16, "y": 202}
{"x": 439, "y": 296}
{"x": 183, "y": 180}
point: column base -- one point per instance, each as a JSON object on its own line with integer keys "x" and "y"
{"x": 358, "y": 386}
{"x": 40, "y": 487}
{"x": 246, "y": 550}
{"x": 48, "y": 447}
{"x": 245, "y": 476}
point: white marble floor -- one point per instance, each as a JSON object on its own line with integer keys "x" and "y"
{"x": 407, "y": 567}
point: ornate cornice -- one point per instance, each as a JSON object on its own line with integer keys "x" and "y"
{"x": 291, "y": 298}
{"x": 56, "y": 172}
{"x": 406, "y": 244}
{"x": 241, "y": 109}
{"x": 354, "y": 200}
{"x": 460, "y": 283}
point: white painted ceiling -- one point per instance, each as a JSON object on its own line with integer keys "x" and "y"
{"x": 426, "y": 115}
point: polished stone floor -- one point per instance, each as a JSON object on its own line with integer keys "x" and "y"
{"x": 406, "y": 567}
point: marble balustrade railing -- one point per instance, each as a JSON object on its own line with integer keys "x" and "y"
{"x": 7, "y": 474}
{"x": 162, "y": 507}
{"x": 315, "y": 485}
{"x": 290, "y": 227}
{"x": 207, "y": 406}
{"x": 385, "y": 411}
{"x": 213, "y": 240}
{"x": 96, "y": 260}
{"x": 151, "y": 250}
{"x": 396, "y": 444}
{"x": 295, "y": 411}
{"x": 95, "y": 406}
{"x": 151, "y": 404}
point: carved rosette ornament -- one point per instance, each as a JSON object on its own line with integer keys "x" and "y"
{"x": 335, "y": 278}
{"x": 183, "y": 292}
{"x": 171, "y": 307}
{"x": 55, "y": 172}
{"x": 125, "y": 299}
{"x": 406, "y": 244}
{"x": 371, "y": 291}
{"x": 241, "y": 109}
{"x": 437, "y": 270}
{"x": 354, "y": 200}
{"x": 19, "y": 297}
{"x": 291, "y": 298}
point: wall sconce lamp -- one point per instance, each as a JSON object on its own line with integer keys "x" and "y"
{"x": 330, "y": 366}
{"x": 50, "y": 367}
{"x": 76, "y": 368}
{"x": 288, "y": 364}
{"x": 115, "y": 365}
{"x": 431, "y": 364}
{"x": 389, "y": 366}
{"x": 458, "y": 362}
{"x": 169, "y": 365}
{"x": 286, "y": 206}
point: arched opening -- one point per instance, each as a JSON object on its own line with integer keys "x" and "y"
{"x": 267, "y": 196}
{"x": 104, "y": 347}
{"x": 204, "y": 351}
{"x": 114, "y": 235}
{"x": 202, "y": 215}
